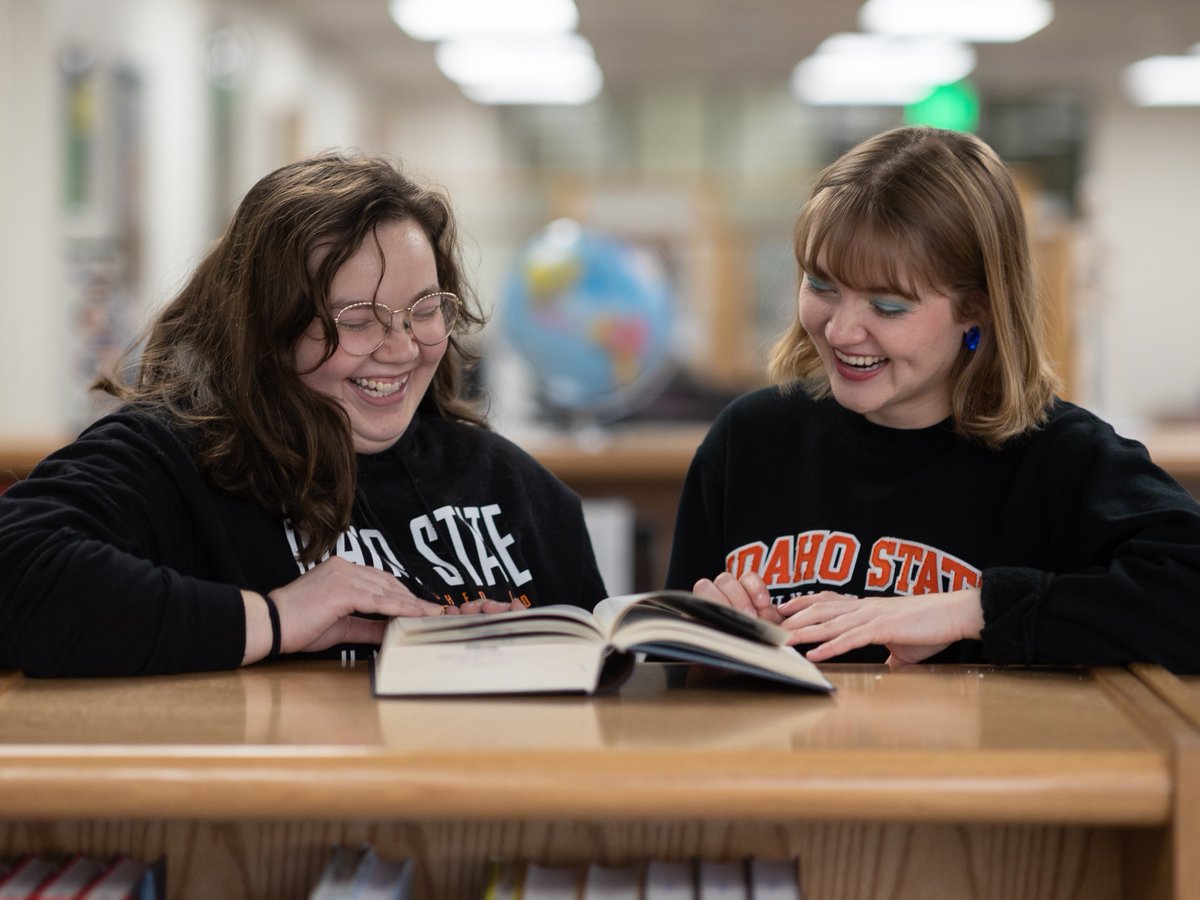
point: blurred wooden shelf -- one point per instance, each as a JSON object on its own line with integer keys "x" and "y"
{"x": 1176, "y": 447}
{"x": 644, "y": 464}
{"x": 637, "y": 453}
{"x": 18, "y": 457}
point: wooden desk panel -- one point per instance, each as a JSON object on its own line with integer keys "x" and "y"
{"x": 920, "y": 745}
{"x": 1182, "y": 695}
{"x": 954, "y": 782}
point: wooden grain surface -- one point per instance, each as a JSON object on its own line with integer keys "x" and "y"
{"x": 956, "y": 783}
{"x": 304, "y": 740}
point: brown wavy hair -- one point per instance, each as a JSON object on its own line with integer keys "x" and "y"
{"x": 218, "y": 359}
{"x": 924, "y": 207}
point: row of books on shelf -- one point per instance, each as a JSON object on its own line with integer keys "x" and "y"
{"x": 81, "y": 877}
{"x": 748, "y": 879}
{"x": 358, "y": 873}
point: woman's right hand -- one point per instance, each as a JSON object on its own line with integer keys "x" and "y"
{"x": 317, "y": 610}
{"x": 747, "y": 594}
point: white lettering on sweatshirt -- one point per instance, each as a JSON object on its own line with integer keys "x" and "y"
{"x": 460, "y": 543}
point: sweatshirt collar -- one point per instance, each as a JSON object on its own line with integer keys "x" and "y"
{"x": 908, "y": 441}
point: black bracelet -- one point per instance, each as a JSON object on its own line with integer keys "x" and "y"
{"x": 276, "y": 629}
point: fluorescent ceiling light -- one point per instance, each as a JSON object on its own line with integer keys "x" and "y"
{"x": 436, "y": 20}
{"x": 563, "y": 93}
{"x": 1165, "y": 80}
{"x": 528, "y": 69}
{"x": 875, "y": 70}
{"x": 967, "y": 20}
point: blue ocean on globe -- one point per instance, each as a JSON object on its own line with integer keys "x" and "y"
{"x": 593, "y": 316}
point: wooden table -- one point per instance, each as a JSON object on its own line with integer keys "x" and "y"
{"x": 953, "y": 782}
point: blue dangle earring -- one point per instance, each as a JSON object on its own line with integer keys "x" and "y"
{"x": 971, "y": 338}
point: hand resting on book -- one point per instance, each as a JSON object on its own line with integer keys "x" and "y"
{"x": 911, "y": 629}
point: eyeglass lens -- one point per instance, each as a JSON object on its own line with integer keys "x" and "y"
{"x": 363, "y": 327}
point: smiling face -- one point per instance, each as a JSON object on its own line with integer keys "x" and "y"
{"x": 890, "y": 357}
{"x": 381, "y": 391}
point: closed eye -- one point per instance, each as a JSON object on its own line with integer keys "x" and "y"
{"x": 889, "y": 309}
{"x": 817, "y": 286}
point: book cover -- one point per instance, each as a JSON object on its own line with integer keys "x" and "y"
{"x": 546, "y": 882}
{"x": 338, "y": 876}
{"x": 124, "y": 878}
{"x": 721, "y": 881}
{"x": 612, "y": 882}
{"x": 27, "y": 875}
{"x": 669, "y": 880}
{"x": 774, "y": 879}
{"x": 564, "y": 649}
{"x": 506, "y": 880}
{"x": 69, "y": 882}
{"x": 382, "y": 879}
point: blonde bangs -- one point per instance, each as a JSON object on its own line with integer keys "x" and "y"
{"x": 854, "y": 242}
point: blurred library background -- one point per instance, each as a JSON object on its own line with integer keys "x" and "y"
{"x": 641, "y": 178}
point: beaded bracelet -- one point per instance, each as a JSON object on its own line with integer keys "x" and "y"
{"x": 276, "y": 629}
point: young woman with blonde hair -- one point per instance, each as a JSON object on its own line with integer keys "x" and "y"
{"x": 913, "y": 489}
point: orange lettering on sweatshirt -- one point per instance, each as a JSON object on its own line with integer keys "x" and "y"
{"x": 910, "y": 567}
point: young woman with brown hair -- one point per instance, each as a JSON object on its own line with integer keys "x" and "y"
{"x": 294, "y": 459}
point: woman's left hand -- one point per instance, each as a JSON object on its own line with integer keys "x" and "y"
{"x": 912, "y": 628}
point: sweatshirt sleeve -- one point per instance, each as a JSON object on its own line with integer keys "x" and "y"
{"x": 93, "y": 550}
{"x": 1120, "y": 581}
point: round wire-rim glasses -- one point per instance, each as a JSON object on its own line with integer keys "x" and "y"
{"x": 363, "y": 327}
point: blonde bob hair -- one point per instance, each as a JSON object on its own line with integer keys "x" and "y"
{"x": 923, "y": 208}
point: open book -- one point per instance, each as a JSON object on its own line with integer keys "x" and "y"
{"x": 553, "y": 649}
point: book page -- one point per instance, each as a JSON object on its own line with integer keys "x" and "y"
{"x": 560, "y": 648}
{"x": 559, "y": 619}
{"x": 495, "y": 665}
{"x": 612, "y": 613}
{"x": 693, "y": 642}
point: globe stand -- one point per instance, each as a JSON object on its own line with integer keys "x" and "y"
{"x": 586, "y": 432}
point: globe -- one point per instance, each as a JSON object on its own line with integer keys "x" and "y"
{"x": 593, "y": 316}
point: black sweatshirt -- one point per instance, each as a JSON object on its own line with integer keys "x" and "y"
{"x": 1087, "y": 552}
{"x": 117, "y": 558}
